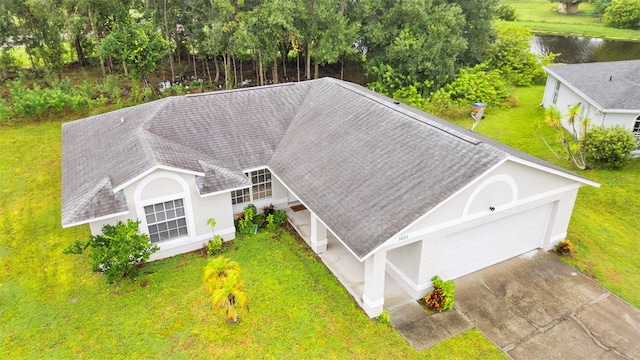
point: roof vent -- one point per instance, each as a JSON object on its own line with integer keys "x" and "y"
{"x": 610, "y": 78}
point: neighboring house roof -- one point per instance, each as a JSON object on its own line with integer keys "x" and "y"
{"x": 364, "y": 164}
{"x": 611, "y": 85}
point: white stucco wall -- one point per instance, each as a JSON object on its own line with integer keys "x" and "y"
{"x": 407, "y": 260}
{"x": 511, "y": 188}
{"x": 164, "y": 185}
{"x": 495, "y": 189}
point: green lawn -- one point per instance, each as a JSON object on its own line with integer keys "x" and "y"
{"x": 604, "y": 226}
{"x": 52, "y": 306}
{"x": 541, "y": 16}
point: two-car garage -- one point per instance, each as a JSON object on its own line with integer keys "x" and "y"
{"x": 470, "y": 250}
{"x": 503, "y": 214}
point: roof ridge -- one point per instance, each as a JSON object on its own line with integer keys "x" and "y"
{"x": 432, "y": 123}
{"x": 227, "y": 91}
{"x": 85, "y": 201}
{"x": 224, "y": 170}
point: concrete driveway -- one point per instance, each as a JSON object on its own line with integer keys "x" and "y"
{"x": 537, "y": 307}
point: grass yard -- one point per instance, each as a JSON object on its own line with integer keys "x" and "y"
{"x": 541, "y": 16}
{"x": 604, "y": 226}
{"x": 52, "y": 306}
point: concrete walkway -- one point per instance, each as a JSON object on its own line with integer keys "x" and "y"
{"x": 345, "y": 266}
{"x": 533, "y": 307}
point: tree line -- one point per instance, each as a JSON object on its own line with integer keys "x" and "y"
{"x": 285, "y": 39}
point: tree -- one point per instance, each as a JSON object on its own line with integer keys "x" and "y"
{"x": 420, "y": 39}
{"x": 139, "y": 46}
{"x": 478, "y": 29}
{"x": 600, "y": 6}
{"x": 568, "y": 6}
{"x": 37, "y": 25}
{"x": 218, "y": 28}
{"x": 506, "y": 12}
{"x": 327, "y": 32}
{"x": 511, "y": 54}
{"x": 222, "y": 280}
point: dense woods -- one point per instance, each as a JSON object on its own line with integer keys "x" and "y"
{"x": 437, "y": 55}
{"x": 212, "y": 39}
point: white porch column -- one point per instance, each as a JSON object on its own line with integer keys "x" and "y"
{"x": 318, "y": 240}
{"x": 374, "y": 273}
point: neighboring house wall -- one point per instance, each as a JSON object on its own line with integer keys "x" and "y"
{"x": 612, "y": 119}
{"x": 524, "y": 199}
{"x": 566, "y": 98}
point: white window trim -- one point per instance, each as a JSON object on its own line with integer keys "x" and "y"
{"x": 556, "y": 93}
{"x": 257, "y": 202}
{"x": 242, "y": 189}
{"x": 636, "y": 132}
{"x": 185, "y": 195}
{"x": 167, "y": 220}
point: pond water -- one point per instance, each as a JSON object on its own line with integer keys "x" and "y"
{"x": 577, "y": 49}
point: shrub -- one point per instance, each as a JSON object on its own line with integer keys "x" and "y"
{"x": 214, "y": 246}
{"x": 387, "y": 80}
{"x": 411, "y": 95}
{"x": 110, "y": 87}
{"x": 473, "y": 85}
{"x": 268, "y": 210}
{"x": 5, "y": 113}
{"x": 384, "y": 318}
{"x": 276, "y": 219}
{"x": 173, "y": 90}
{"x": 246, "y": 224}
{"x": 623, "y": 14}
{"x": 39, "y": 101}
{"x": 608, "y": 147}
{"x": 441, "y": 297}
{"x": 564, "y": 247}
{"x": 118, "y": 251}
{"x": 506, "y": 12}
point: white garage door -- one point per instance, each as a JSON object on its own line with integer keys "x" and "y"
{"x": 493, "y": 242}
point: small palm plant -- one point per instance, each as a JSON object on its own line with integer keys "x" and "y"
{"x": 222, "y": 280}
{"x": 570, "y": 140}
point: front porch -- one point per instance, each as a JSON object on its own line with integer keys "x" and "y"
{"x": 344, "y": 265}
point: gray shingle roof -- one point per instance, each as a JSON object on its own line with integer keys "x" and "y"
{"x": 622, "y": 92}
{"x": 367, "y": 166}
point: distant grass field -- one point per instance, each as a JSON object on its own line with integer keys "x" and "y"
{"x": 604, "y": 226}
{"x": 52, "y": 306}
{"x": 541, "y": 16}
